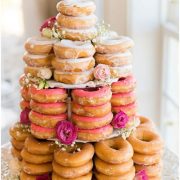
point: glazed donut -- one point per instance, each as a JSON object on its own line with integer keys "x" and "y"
{"x": 39, "y": 45}
{"x": 115, "y": 59}
{"x": 42, "y": 132}
{"x": 81, "y": 22}
{"x": 118, "y": 150}
{"x": 75, "y": 159}
{"x": 74, "y": 65}
{"x": 92, "y": 96}
{"x": 120, "y": 99}
{"x": 109, "y": 44}
{"x": 85, "y": 122}
{"x": 41, "y": 72}
{"x": 76, "y": 8}
{"x": 39, "y": 147}
{"x": 84, "y": 177}
{"x": 36, "y": 159}
{"x": 48, "y": 95}
{"x": 17, "y": 144}
{"x": 73, "y": 77}
{"x": 48, "y": 121}
{"x": 48, "y": 108}
{"x": 146, "y": 159}
{"x": 127, "y": 176}
{"x": 16, "y": 153}
{"x": 38, "y": 60}
{"x": 36, "y": 169}
{"x": 25, "y": 93}
{"x": 24, "y": 104}
{"x": 25, "y": 176}
{"x": 157, "y": 177}
{"x": 91, "y": 111}
{"x": 124, "y": 85}
{"x": 78, "y": 34}
{"x": 145, "y": 141}
{"x": 121, "y": 71}
{"x": 72, "y": 172}
{"x": 129, "y": 109}
{"x": 95, "y": 135}
{"x": 67, "y": 49}
{"x": 113, "y": 169}
{"x": 146, "y": 123}
{"x": 19, "y": 132}
{"x": 152, "y": 170}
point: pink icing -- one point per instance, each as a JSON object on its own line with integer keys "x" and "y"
{"x": 36, "y": 128}
{"x": 92, "y": 119}
{"x": 125, "y": 81}
{"x": 97, "y": 130}
{"x": 59, "y": 117}
{"x": 128, "y": 106}
{"x": 93, "y": 107}
{"x": 54, "y": 91}
{"x": 92, "y": 92}
{"x": 48, "y": 105}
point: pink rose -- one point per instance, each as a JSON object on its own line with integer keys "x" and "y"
{"x": 24, "y": 116}
{"x": 102, "y": 72}
{"x": 43, "y": 177}
{"x": 48, "y": 23}
{"x": 141, "y": 175}
{"x": 120, "y": 120}
{"x": 66, "y": 132}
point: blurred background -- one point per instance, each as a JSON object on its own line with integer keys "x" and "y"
{"x": 152, "y": 24}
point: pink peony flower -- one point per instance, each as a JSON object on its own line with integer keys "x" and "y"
{"x": 141, "y": 175}
{"x": 66, "y": 132}
{"x": 48, "y": 23}
{"x": 102, "y": 72}
{"x": 24, "y": 116}
{"x": 43, "y": 177}
{"x": 120, "y": 120}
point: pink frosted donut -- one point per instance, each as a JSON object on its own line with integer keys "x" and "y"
{"x": 48, "y": 108}
{"x": 48, "y": 121}
{"x": 124, "y": 84}
{"x": 95, "y": 134}
{"x": 129, "y": 109}
{"x": 48, "y": 95}
{"x": 25, "y": 93}
{"x": 120, "y": 99}
{"x": 91, "y": 111}
{"x": 24, "y": 104}
{"x": 91, "y": 122}
{"x": 92, "y": 96}
{"x": 42, "y": 132}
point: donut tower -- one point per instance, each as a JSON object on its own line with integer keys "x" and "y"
{"x": 79, "y": 116}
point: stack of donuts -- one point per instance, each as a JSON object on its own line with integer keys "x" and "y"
{"x": 19, "y": 133}
{"x": 74, "y": 60}
{"x": 113, "y": 50}
{"x": 73, "y": 163}
{"x": 123, "y": 97}
{"x": 38, "y": 57}
{"x": 114, "y": 160}
{"x": 37, "y": 158}
{"x": 48, "y": 107}
{"x": 91, "y": 112}
{"x": 148, "y": 149}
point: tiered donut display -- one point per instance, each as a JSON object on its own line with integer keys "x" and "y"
{"x": 79, "y": 118}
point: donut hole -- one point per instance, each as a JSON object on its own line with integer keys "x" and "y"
{"x": 144, "y": 138}
{"x": 92, "y": 89}
{"x": 121, "y": 79}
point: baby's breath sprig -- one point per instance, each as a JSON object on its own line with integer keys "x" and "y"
{"x": 102, "y": 28}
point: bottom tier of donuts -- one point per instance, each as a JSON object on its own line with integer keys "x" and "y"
{"x": 139, "y": 156}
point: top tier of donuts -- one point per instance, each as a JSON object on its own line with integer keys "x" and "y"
{"x": 71, "y": 45}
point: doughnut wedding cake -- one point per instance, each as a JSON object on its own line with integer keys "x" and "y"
{"x": 79, "y": 118}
